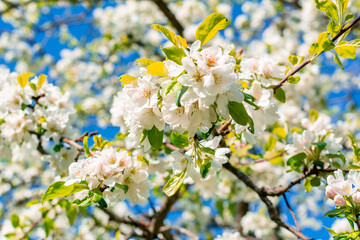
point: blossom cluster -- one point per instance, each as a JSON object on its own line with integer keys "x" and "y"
{"x": 32, "y": 113}
{"x": 119, "y": 175}
{"x": 315, "y": 130}
{"x": 195, "y": 95}
{"x": 339, "y": 189}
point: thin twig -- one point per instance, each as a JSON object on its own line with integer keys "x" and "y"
{"x": 303, "y": 64}
{"x": 180, "y": 230}
{"x": 224, "y": 129}
{"x": 292, "y": 213}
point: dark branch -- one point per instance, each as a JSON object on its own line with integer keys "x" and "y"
{"x": 167, "y": 12}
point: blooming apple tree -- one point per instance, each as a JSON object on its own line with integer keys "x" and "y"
{"x": 233, "y": 131}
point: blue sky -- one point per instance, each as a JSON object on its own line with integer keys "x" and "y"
{"x": 54, "y": 46}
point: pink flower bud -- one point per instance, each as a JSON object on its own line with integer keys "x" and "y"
{"x": 356, "y": 197}
{"x": 330, "y": 193}
{"x": 339, "y": 200}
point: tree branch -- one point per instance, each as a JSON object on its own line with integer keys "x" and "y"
{"x": 158, "y": 220}
{"x": 127, "y": 220}
{"x": 303, "y": 64}
{"x": 273, "y": 213}
{"x": 292, "y": 213}
{"x": 170, "y": 16}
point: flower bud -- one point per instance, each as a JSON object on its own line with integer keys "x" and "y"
{"x": 356, "y": 197}
{"x": 339, "y": 200}
{"x": 330, "y": 193}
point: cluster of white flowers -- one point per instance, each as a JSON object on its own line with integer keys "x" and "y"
{"x": 314, "y": 130}
{"x": 338, "y": 187}
{"x": 119, "y": 175}
{"x": 207, "y": 82}
{"x": 129, "y": 20}
{"x": 31, "y": 114}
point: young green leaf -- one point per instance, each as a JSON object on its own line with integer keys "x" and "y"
{"x": 179, "y": 140}
{"x": 179, "y": 95}
{"x": 58, "y": 189}
{"x": 280, "y": 95}
{"x": 238, "y": 113}
{"x": 356, "y": 149}
{"x": 174, "y": 183}
{"x": 86, "y": 146}
{"x": 123, "y": 187}
{"x": 210, "y": 26}
{"x": 169, "y": 34}
{"x": 155, "y": 137}
{"x": 174, "y": 54}
{"x": 15, "y": 220}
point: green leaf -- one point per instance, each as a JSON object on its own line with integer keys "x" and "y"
{"x": 58, "y": 189}
{"x": 143, "y": 136}
{"x": 335, "y": 212}
{"x": 102, "y": 203}
{"x": 208, "y": 150}
{"x": 314, "y": 49}
{"x": 123, "y": 187}
{"x": 349, "y": 17}
{"x": 280, "y": 132}
{"x": 169, "y": 34}
{"x": 320, "y": 4}
{"x": 351, "y": 166}
{"x": 323, "y": 44}
{"x": 15, "y": 220}
{"x": 331, "y": 231}
{"x": 238, "y": 113}
{"x": 71, "y": 213}
{"x": 174, "y": 86}
{"x": 346, "y": 51}
{"x": 293, "y": 59}
{"x": 315, "y": 182}
{"x": 155, "y": 137}
{"x": 174, "y": 183}
{"x": 48, "y": 225}
{"x": 356, "y": 149}
{"x": 179, "y": 95}
{"x": 32, "y": 85}
{"x": 333, "y": 28}
{"x": 86, "y": 146}
{"x": 83, "y": 202}
{"x": 210, "y": 26}
{"x": 270, "y": 144}
{"x": 205, "y": 169}
{"x": 280, "y": 95}
{"x": 143, "y": 159}
{"x": 307, "y": 185}
{"x": 293, "y": 79}
{"x": 313, "y": 115}
{"x": 332, "y": 11}
{"x": 174, "y": 54}
{"x": 338, "y": 61}
{"x": 10, "y": 235}
{"x": 320, "y": 145}
{"x": 178, "y": 140}
{"x": 296, "y": 161}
